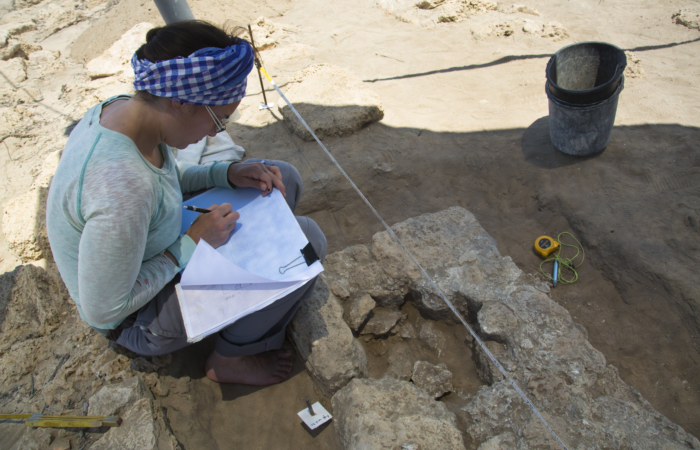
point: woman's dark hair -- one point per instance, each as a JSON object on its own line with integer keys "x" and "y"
{"x": 181, "y": 39}
{"x": 184, "y": 38}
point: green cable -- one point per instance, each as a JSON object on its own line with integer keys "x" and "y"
{"x": 565, "y": 262}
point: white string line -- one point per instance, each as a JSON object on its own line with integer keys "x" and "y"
{"x": 391, "y": 232}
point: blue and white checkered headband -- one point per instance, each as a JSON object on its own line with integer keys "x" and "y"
{"x": 210, "y": 76}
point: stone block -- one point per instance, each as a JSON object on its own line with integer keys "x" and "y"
{"x": 387, "y": 413}
{"x": 114, "y": 399}
{"x": 137, "y": 431}
{"x": 332, "y": 101}
{"x": 435, "y": 380}
{"x": 331, "y": 353}
{"x": 357, "y": 309}
{"x": 15, "y": 70}
{"x": 533, "y": 337}
{"x": 382, "y": 322}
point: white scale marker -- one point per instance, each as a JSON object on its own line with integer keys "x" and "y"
{"x": 314, "y": 415}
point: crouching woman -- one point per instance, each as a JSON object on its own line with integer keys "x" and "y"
{"x": 115, "y": 204}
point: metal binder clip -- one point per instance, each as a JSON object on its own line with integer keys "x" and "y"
{"x": 286, "y": 267}
{"x": 309, "y": 255}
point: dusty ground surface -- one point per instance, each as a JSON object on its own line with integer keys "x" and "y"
{"x": 466, "y": 124}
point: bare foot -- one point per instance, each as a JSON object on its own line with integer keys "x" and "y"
{"x": 258, "y": 370}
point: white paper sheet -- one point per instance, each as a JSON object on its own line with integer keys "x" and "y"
{"x": 266, "y": 237}
{"x": 219, "y": 286}
{"x": 208, "y": 309}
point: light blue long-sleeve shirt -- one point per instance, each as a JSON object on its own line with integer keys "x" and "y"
{"x": 111, "y": 215}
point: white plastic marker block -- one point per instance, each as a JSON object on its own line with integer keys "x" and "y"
{"x": 264, "y": 106}
{"x": 322, "y": 416}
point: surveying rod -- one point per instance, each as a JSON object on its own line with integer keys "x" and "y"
{"x": 174, "y": 10}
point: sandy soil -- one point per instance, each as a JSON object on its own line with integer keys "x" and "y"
{"x": 466, "y": 123}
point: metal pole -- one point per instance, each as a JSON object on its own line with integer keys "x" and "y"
{"x": 257, "y": 64}
{"x": 174, "y": 10}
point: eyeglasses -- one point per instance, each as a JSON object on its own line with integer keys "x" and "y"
{"x": 219, "y": 124}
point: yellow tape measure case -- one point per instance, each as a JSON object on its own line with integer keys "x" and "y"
{"x": 544, "y": 245}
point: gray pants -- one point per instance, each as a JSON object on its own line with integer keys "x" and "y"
{"x": 157, "y": 328}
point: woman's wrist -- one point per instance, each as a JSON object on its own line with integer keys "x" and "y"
{"x": 171, "y": 258}
{"x": 229, "y": 175}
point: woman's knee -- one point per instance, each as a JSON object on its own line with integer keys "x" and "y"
{"x": 314, "y": 235}
{"x": 290, "y": 174}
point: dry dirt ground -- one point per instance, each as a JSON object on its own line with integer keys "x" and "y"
{"x": 466, "y": 123}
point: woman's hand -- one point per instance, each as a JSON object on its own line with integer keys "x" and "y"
{"x": 256, "y": 175}
{"x": 214, "y": 227}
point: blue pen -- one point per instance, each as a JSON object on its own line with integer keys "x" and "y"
{"x": 554, "y": 275}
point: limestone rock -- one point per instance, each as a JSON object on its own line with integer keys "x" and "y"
{"x": 60, "y": 444}
{"x": 687, "y": 18}
{"x": 24, "y": 224}
{"x": 117, "y": 57}
{"x": 524, "y": 9}
{"x": 382, "y": 322}
{"x": 332, "y": 101}
{"x": 622, "y": 415}
{"x": 33, "y": 439}
{"x": 487, "y": 370}
{"x": 333, "y": 356}
{"x": 407, "y": 331}
{"x": 534, "y": 338}
{"x": 155, "y": 385}
{"x": 113, "y": 400}
{"x": 12, "y": 29}
{"x": 137, "y": 431}
{"x": 529, "y": 27}
{"x": 32, "y": 299}
{"x": 43, "y": 57}
{"x": 555, "y": 30}
{"x": 15, "y": 70}
{"x": 501, "y": 399}
{"x": 355, "y": 271}
{"x": 358, "y": 309}
{"x": 634, "y": 67}
{"x": 15, "y": 47}
{"x": 435, "y": 380}
{"x": 387, "y": 413}
{"x": 497, "y": 321}
{"x": 267, "y": 33}
{"x": 25, "y": 3}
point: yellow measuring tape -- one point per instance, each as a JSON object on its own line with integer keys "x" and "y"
{"x": 561, "y": 262}
{"x": 41, "y": 420}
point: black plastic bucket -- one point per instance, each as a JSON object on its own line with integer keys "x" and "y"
{"x": 582, "y": 130}
{"x": 586, "y": 72}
